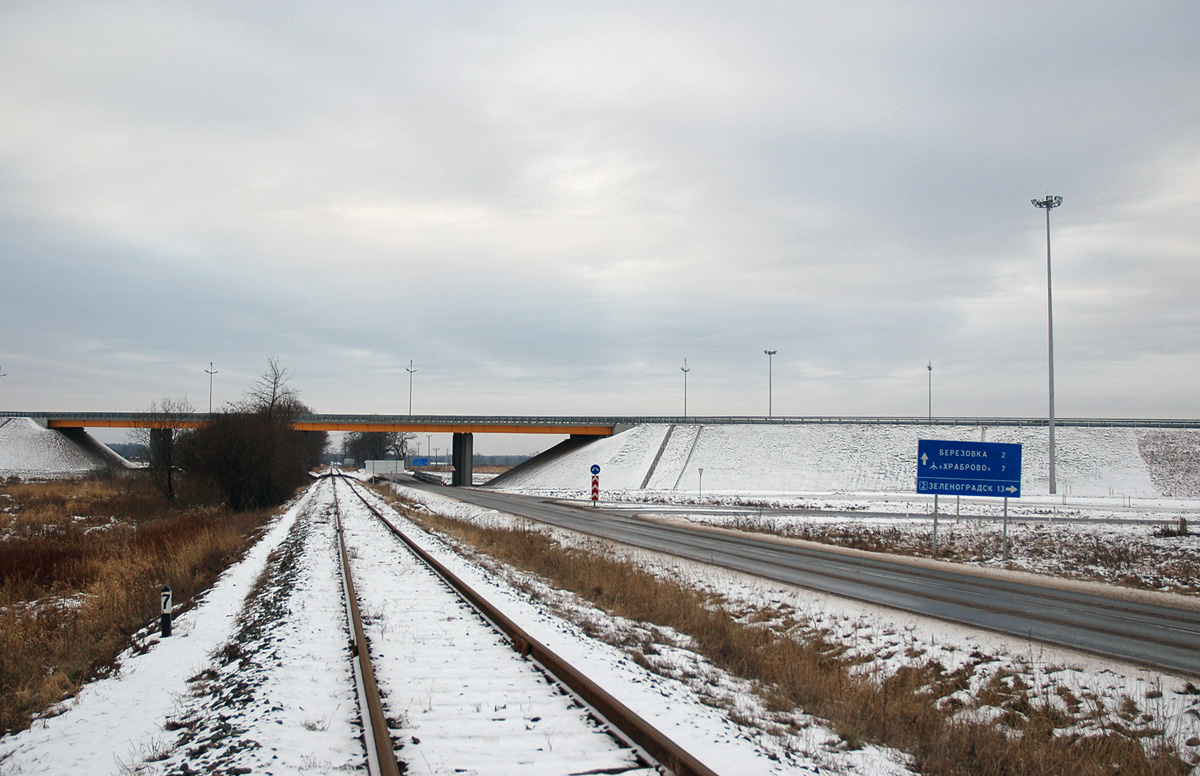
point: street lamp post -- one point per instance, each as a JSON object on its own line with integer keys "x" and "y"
{"x": 931, "y": 393}
{"x": 1048, "y": 204}
{"x": 685, "y": 370}
{"x": 410, "y": 371}
{"x": 210, "y": 371}
{"x": 770, "y": 381}
{"x": 3, "y": 373}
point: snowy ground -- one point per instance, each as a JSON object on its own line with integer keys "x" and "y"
{"x": 277, "y": 700}
{"x": 461, "y": 700}
{"x": 750, "y": 460}
{"x": 1121, "y": 495}
{"x": 28, "y": 451}
{"x": 1002, "y": 671}
{"x": 1110, "y": 521}
{"x": 246, "y": 660}
{"x": 256, "y": 679}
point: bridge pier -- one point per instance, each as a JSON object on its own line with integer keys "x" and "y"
{"x": 461, "y": 458}
{"x": 162, "y": 443}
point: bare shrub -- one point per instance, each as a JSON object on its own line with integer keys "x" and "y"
{"x": 81, "y": 564}
{"x": 249, "y": 457}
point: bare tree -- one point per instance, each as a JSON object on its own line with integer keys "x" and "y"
{"x": 249, "y": 456}
{"x": 272, "y": 396}
{"x": 168, "y": 419}
{"x": 398, "y": 444}
{"x": 375, "y": 445}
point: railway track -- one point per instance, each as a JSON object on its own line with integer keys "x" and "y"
{"x": 444, "y": 619}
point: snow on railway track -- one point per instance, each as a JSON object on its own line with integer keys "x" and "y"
{"x": 459, "y": 698}
{"x": 257, "y": 677}
{"x": 279, "y": 694}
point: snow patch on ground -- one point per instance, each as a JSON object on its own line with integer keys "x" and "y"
{"x": 1102, "y": 694}
{"x": 28, "y": 451}
{"x": 117, "y": 722}
{"x": 460, "y": 698}
{"x": 687, "y": 699}
{"x": 852, "y": 458}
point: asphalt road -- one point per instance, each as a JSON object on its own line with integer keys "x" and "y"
{"x": 1158, "y": 637}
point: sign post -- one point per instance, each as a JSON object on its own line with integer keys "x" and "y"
{"x": 595, "y": 483}
{"x": 991, "y": 469}
{"x": 1006, "y": 529}
{"x": 935, "y": 516}
{"x": 165, "y": 624}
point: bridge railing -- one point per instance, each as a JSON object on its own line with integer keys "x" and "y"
{"x": 612, "y": 421}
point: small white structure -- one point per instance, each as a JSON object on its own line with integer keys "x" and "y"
{"x": 383, "y": 467}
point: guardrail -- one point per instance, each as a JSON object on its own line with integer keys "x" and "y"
{"x": 501, "y": 423}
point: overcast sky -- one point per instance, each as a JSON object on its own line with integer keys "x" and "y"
{"x": 547, "y": 207}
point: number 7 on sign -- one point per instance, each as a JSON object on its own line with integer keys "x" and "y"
{"x": 165, "y": 624}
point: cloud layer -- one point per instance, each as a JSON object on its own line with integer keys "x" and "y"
{"x": 547, "y": 207}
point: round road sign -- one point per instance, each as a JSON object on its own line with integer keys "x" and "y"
{"x": 595, "y": 468}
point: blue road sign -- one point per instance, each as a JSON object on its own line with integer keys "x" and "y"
{"x": 422, "y": 461}
{"x": 595, "y": 468}
{"x": 969, "y": 468}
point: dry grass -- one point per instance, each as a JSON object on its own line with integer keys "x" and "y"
{"x": 800, "y": 670}
{"x": 81, "y": 566}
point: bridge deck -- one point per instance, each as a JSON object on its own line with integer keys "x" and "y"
{"x": 580, "y": 425}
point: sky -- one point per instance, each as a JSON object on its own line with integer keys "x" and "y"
{"x": 545, "y": 208}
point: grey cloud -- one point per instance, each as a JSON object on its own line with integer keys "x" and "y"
{"x": 551, "y": 206}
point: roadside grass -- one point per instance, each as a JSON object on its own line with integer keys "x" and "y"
{"x": 81, "y": 566}
{"x": 1007, "y": 729}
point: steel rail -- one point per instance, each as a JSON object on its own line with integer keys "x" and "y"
{"x": 1154, "y": 635}
{"x": 376, "y": 735}
{"x": 631, "y": 725}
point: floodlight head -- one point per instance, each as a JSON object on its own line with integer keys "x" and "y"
{"x": 770, "y": 352}
{"x": 1047, "y": 203}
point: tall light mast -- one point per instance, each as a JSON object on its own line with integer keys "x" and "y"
{"x": 1048, "y": 204}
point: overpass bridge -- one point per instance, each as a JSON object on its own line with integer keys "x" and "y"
{"x": 463, "y": 427}
{"x": 589, "y": 425}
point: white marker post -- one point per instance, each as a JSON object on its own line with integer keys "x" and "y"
{"x": 700, "y": 486}
{"x": 165, "y": 624}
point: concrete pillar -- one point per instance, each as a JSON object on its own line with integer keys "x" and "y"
{"x": 461, "y": 459}
{"x": 161, "y": 444}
